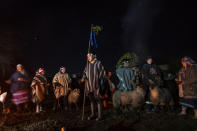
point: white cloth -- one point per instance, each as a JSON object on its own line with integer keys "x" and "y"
{"x": 3, "y": 97}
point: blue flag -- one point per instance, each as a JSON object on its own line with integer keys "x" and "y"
{"x": 93, "y": 39}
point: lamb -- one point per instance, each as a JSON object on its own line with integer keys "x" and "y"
{"x": 73, "y": 98}
{"x": 134, "y": 98}
{"x": 161, "y": 96}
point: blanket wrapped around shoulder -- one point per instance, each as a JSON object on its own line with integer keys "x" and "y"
{"x": 39, "y": 90}
{"x": 58, "y": 91}
{"x": 3, "y": 97}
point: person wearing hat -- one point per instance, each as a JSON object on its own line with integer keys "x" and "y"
{"x": 151, "y": 76}
{"x": 94, "y": 76}
{"x": 188, "y": 84}
{"x": 19, "y": 87}
{"x": 126, "y": 76}
{"x": 39, "y": 89}
{"x": 61, "y": 83}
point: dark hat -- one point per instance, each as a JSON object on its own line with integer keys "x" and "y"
{"x": 92, "y": 51}
{"x": 62, "y": 67}
{"x": 149, "y": 57}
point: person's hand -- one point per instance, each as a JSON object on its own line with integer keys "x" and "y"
{"x": 102, "y": 97}
{"x": 181, "y": 84}
{"x": 113, "y": 90}
{"x": 8, "y": 82}
{"x": 48, "y": 84}
{"x": 58, "y": 87}
{"x": 20, "y": 79}
{"x": 106, "y": 96}
{"x": 177, "y": 80}
{"x": 150, "y": 81}
{"x": 137, "y": 86}
{"x": 82, "y": 80}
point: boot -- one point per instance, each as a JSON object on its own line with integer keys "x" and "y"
{"x": 41, "y": 109}
{"x": 195, "y": 114}
{"x": 156, "y": 109}
{"x": 99, "y": 113}
{"x": 92, "y": 112}
{"x": 37, "y": 109}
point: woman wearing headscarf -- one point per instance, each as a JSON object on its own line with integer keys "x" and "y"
{"x": 19, "y": 87}
{"x": 39, "y": 89}
{"x": 188, "y": 85}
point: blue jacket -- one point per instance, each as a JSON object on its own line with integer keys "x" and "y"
{"x": 125, "y": 75}
{"x": 18, "y": 85}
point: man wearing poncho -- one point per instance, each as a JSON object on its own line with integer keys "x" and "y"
{"x": 61, "y": 83}
{"x": 39, "y": 89}
{"x": 94, "y": 74}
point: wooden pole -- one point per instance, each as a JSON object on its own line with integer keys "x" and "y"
{"x": 83, "y": 110}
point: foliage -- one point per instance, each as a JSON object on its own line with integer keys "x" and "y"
{"x": 97, "y": 29}
{"x": 131, "y": 57}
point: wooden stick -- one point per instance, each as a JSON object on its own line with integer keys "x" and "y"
{"x": 84, "y": 104}
{"x": 83, "y": 110}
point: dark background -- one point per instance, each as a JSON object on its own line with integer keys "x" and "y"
{"x": 53, "y": 33}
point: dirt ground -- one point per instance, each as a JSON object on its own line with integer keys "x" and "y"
{"x": 71, "y": 121}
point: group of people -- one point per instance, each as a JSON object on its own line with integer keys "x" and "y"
{"x": 20, "y": 81}
{"x": 95, "y": 78}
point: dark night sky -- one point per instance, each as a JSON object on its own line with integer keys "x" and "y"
{"x": 57, "y": 33}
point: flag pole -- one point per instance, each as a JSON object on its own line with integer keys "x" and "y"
{"x": 84, "y": 97}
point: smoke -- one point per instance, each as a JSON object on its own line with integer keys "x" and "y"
{"x": 138, "y": 25}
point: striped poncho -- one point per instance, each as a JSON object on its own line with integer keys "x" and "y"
{"x": 94, "y": 73}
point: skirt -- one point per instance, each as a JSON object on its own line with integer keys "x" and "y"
{"x": 189, "y": 102}
{"x": 20, "y": 97}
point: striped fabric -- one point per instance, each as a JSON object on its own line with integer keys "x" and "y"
{"x": 20, "y": 97}
{"x": 97, "y": 69}
{"x": 190, "y": 103}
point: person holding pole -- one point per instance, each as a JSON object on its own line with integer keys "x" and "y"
{"x": 94, "y": 76}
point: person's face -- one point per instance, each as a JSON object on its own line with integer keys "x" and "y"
{"x": 184, "y": 64}
{"x": 90, "y": 58}
{"x": 126, "y": 64}
{"x": 150, "y": 61}
{"x": 19, "y": 68}
{"x": 109, "y": 74}
{"x": 63, "y": 70}
{"x": 42, "y": 73}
